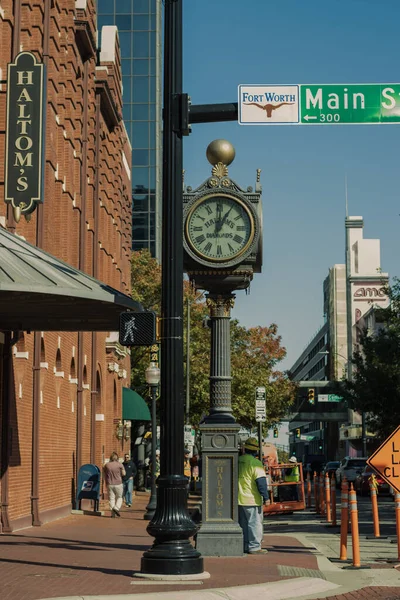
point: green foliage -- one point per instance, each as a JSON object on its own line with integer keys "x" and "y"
{"x": 283, "y": 456}
{"x": 375, "y": 386}
{"x": 255, "y": 353}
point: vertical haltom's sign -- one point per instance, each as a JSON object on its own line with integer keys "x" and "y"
{"x": 25, "y": 128}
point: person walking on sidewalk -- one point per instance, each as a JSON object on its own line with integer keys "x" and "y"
{"x": 252, "y": 494}
{"x": 127, "y": 479}
{"x": 114, "y": 472}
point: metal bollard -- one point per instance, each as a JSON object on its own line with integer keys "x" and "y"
{"x": 344, "y": 518}
{"x": 328, "y": 498}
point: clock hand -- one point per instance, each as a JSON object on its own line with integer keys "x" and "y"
{"x": 218, "y": 219}
{"x": 225, "y": 217}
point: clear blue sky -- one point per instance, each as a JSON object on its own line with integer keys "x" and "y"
{"x": 232, "y": 42}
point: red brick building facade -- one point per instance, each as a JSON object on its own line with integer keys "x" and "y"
{"x": 65, "y": 402}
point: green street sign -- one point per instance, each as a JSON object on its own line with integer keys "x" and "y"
{"x": 335, "y": 104}
{"x": 319, "y": 104}
{"x": 329, "y": 398}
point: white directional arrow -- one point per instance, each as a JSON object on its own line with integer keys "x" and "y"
{"x": 309, "y": 118}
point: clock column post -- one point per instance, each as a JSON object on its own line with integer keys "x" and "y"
{"x": 220, "y": 533}
{"x": 222, "y": 250}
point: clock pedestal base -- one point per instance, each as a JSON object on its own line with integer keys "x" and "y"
{"x": 220, "y": 533}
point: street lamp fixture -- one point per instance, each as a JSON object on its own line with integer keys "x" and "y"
{"x": 152, "y": 375}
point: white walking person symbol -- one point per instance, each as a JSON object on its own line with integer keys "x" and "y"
{"x": 131, "y": 327}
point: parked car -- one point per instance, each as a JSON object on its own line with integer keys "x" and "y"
{"x": 361, "y": 483}
{"x": 331, "y": 467}
{"x": 349, "y": 468}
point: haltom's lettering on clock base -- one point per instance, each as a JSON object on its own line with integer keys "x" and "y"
{"x": 219, "y": 500}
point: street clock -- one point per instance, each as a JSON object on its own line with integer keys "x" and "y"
{"x": 220, "y": 230}
{"x": 222, "y": 227}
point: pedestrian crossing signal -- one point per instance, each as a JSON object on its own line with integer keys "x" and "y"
{"x": 137, "y": 328}
{"x": 275, "y": 432}
{"x": 311, "y": 396}
{"x": 298, "y": 432}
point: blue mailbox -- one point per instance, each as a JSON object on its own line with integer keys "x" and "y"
{"x": 88, "y": 485}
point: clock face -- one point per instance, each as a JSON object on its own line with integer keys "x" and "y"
{"x": 219, "y": 228}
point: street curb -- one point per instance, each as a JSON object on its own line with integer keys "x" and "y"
{"x": 278, "y": 590}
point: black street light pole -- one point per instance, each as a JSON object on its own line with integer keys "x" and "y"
{"x": 153, "y": 379}
{"x": 172, "y": 553}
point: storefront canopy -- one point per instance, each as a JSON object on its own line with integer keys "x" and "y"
{"x": 134, "y": 408}
{"x": 39, "y": 292}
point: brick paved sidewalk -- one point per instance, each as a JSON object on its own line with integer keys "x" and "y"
{"x": 97, "y": 555}
{"x": 88, "y": 555}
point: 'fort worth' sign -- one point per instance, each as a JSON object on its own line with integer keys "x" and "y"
{"x": 25, "y": 128}
{"x": 325, "y": 104}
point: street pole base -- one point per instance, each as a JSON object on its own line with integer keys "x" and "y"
{"x": 171, "y": 578}
{"x": 149, "y": 515}
{"x": 189, "y": 565}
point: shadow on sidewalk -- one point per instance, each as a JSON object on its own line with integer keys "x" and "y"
{"x": 67, "y": 544}
{"x": 123, "y": 572}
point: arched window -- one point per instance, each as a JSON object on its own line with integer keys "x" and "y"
{"x": 21, "y": 343}
{"x": 58, "y": 360}
{"x": 72, "y": 369}
{"x": 85, "y": 375}
{"x": 42, "y": 351}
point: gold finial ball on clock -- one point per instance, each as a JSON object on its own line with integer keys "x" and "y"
{"x": 220, "y": 151}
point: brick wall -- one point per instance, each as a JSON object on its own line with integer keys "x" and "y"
{"x": 101, "y": 197}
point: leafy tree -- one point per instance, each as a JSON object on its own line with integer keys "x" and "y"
{"x": 375, "y": 385}
{"x": 255, "y": 352}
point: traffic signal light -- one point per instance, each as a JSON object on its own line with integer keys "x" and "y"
{"x": 311, "y": 396}
{"x": 275, "y": 432}
{"x": 298, "y": 432}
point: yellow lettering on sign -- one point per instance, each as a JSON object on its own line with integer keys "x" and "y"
{"x": 24, "y": 96}
{"x": 22, "y": 184}
{"x": 21, "y": 161}
{"x": 24, "y": 140}
{"x": 22, "y": 114}
{"x": 24, "y": 77}
{"x": 220, "y": 503}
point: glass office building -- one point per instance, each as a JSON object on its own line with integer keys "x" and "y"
{"x": 139, "y": 30}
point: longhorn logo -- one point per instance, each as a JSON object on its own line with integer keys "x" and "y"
{"x": 269, "y": 108}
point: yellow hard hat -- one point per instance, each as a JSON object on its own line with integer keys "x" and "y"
{"x": 251, "y": 444}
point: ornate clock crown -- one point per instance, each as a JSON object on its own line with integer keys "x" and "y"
{"x": 220, "y": 154}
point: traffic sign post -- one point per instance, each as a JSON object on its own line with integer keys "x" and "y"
{"x": 386, "y": 460}
{"x": 319, "y": 104}
{"x": 261, "y": 415}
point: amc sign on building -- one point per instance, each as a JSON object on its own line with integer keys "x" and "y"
{"x": 24, "y": 133}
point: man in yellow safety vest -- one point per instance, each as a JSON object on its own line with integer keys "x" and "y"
{"x": 252, "y": 493}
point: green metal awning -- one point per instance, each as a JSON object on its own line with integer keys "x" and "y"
{"x": 39, "y": 292}
{"x": 134, "y": 408}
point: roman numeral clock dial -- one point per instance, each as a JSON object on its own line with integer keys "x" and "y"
{"x": 219, "y": 228}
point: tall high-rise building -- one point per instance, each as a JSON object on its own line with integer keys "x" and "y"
{"x": 139, "y": 29}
